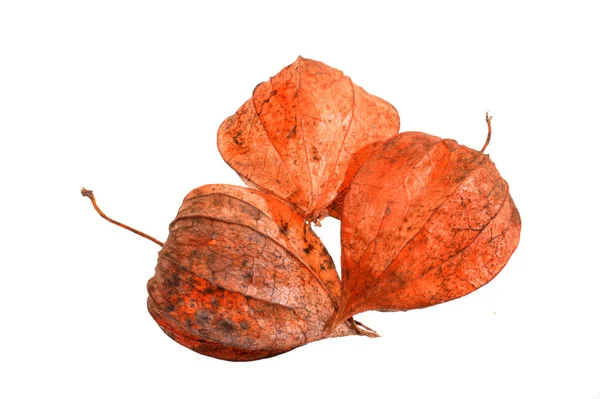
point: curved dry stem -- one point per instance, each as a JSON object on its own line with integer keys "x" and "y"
{"x": 488, "y": 120}
{"x": 90, "y": 195}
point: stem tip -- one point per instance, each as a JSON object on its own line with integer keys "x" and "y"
{"x": 87, "y": 193}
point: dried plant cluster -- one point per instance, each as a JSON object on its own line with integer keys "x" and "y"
{"x": 424, "y": 220}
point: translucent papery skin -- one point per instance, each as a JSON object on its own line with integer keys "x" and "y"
{"x": 242, "y": 277}
{"x": 424, "y": 221}
{"x": 297, "y": 136}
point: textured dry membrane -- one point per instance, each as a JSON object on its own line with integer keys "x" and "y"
{"x": 243, "y": 277}
{"x": 296, "y": 136}
{"x": 425, "y": 221}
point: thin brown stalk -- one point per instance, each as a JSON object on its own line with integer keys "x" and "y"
{"x": 488, "y": 120}
{"x": 90, "y": 195}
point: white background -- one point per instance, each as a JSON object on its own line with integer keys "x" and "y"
{"x": 125, "y": 98}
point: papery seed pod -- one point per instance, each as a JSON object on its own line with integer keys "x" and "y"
{"x": 297, "y": 134}
{"x": 243, "y": 277}
{"x": 424, "y": 221}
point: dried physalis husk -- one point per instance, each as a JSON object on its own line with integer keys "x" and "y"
{"x": 243, "y": 277}
{"x": 424, "y": 221}
{"x": 300, "y": 133}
